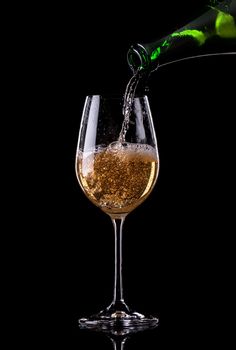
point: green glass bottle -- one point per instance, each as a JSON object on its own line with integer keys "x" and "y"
{"x": 214, "y": 32}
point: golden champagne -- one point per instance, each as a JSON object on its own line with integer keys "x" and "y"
{"x": 119, "y": 177}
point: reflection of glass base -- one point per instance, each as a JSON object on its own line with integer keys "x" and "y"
{"x": 110, "y": 319}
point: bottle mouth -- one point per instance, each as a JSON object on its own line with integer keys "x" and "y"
{"x": 138, "y": 58}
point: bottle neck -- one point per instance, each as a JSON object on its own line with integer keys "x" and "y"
{"x": 138, "y": 56}
{"x": 212, "y": 32}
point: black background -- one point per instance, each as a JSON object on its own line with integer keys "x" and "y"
{"x": 177, "y": 244}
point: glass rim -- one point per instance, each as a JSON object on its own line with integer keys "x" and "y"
{"x": 114, "y": 96}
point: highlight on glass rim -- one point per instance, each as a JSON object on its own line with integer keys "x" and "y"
{"x": 200, "y": 37}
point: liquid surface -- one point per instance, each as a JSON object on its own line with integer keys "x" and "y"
{"x": 119, "y": 177}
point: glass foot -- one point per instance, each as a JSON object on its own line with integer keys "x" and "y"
{"x": 109, "y": 319}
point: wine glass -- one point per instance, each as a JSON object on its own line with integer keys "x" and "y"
{"x": 117, "y": 165}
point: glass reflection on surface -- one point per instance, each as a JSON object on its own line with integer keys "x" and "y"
{"x": 119, "y": 335}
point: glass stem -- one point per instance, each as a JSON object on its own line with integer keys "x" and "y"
{"x": 118, "y": 344}
{"x": 118, "y": 299}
